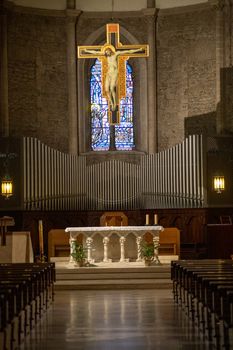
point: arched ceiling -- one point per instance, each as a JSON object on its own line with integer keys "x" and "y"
{"x": 105, "y": 5}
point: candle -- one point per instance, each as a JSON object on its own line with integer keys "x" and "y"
{"x": 155, "y": 219}
{"x": 147, "y": 219}
{"x": 41, "y": 237}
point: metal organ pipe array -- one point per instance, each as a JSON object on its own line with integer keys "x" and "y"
{"x": 57, "y": 181}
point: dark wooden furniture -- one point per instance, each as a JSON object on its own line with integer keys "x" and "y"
{"x": 113, "y": 218}
{"x": 169, "y": 241}
{"x": 220, "y": 241}
{"x": 204, "y": 289}
{"x": 26, "y": 289}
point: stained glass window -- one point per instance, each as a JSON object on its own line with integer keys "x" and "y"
{"x": 100, "y": 129}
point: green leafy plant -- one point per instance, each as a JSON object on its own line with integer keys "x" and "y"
{"x": 78, "y": 253}
{"x": 147, "y": 251}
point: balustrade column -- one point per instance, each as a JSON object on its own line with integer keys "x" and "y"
{"x": 89, "y": 242}
{"x": 105, "y": 242}
{"x": 72, "y": 242}
{"x": 156, "y": 249}
{"x": 122, "y": 244}
{"x": 139, "y": 242}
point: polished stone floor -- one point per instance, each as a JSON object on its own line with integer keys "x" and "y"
{"x": 115, "y": 320}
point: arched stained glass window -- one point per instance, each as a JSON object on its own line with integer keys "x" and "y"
{"x": 100, "y": 128}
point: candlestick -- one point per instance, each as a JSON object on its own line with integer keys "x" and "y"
{"x": 41, "y": 237}
{"x": 155, "y": 219}
{"x": 147, "y": 219}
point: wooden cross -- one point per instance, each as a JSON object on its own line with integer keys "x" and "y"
{"x": 113, "y": 56}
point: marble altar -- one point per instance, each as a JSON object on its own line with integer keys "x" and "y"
{"x": 103, "y": 242}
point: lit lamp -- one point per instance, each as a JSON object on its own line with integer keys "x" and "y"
{"x": 7, "y": 187}
{"x": 219, "y": 184}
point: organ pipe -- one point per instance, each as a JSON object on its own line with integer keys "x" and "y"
{"x": 57, "y": 181}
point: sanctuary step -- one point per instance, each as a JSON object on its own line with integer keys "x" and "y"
{"x": 112, "y": 276}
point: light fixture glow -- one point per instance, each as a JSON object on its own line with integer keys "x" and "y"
{"x": 7, "y": 187}
{"x": 219, "y": 184}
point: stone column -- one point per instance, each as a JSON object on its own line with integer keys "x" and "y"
{"x": 156, "y": 249}
{"x": 105, "y": 242}
{"x": 219, "y": 65}
{"x": 150, "y": 14}
{"x": 139, "y": 242}
{"x": 4, "y": 114}
{"x": 72, "y": 80}
{"x": 72, "y": 242}
{"x": 112, "y": 146}
{"x": 122, "y": 244}
{"x": 89, "y": 242}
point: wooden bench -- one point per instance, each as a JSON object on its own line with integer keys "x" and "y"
{"x": 204, "y": 289}
{"x": 26, "y": 290}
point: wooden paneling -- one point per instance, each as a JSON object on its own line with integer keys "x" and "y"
{"x": 169, "y": 240}
{"x": 192, "y": 224}
{"x": 220, "y": 241}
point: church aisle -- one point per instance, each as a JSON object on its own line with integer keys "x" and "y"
{"x": 114, "y": 320}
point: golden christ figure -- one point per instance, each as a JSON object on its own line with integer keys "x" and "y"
{"x": 113, "y": 56}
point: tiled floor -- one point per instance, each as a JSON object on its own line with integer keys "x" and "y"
{"x": 115, "y": 320}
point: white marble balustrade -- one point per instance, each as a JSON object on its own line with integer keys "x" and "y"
{"x": 105, "y": 232}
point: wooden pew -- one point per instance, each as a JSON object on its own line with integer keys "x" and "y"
{"x": 205, "y": 290}
{"x": 26, "y": 289}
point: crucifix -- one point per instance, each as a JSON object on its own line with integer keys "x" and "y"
{"x": 113, "y": 56}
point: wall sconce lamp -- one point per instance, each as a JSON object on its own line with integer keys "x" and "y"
{"x": 6, "y": 181}
{"x": 219, "y": 183}
{"x": 6, "y": 187}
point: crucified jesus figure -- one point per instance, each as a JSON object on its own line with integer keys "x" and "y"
{"x": 112, "y": 71}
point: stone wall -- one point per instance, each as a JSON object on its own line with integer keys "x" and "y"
{"x": 38, "y": 78}
{"x": 186, "y": 73}
{"x": 227, "y": 100}
{"x": 186, "y": 60}
{"x": 135, "y": 25}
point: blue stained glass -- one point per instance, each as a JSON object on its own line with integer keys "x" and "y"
{"x": 100, "y": 128}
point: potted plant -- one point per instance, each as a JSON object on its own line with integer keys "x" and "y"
{"x": 147, "y": 252}
{"x": 78, "y": 254}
